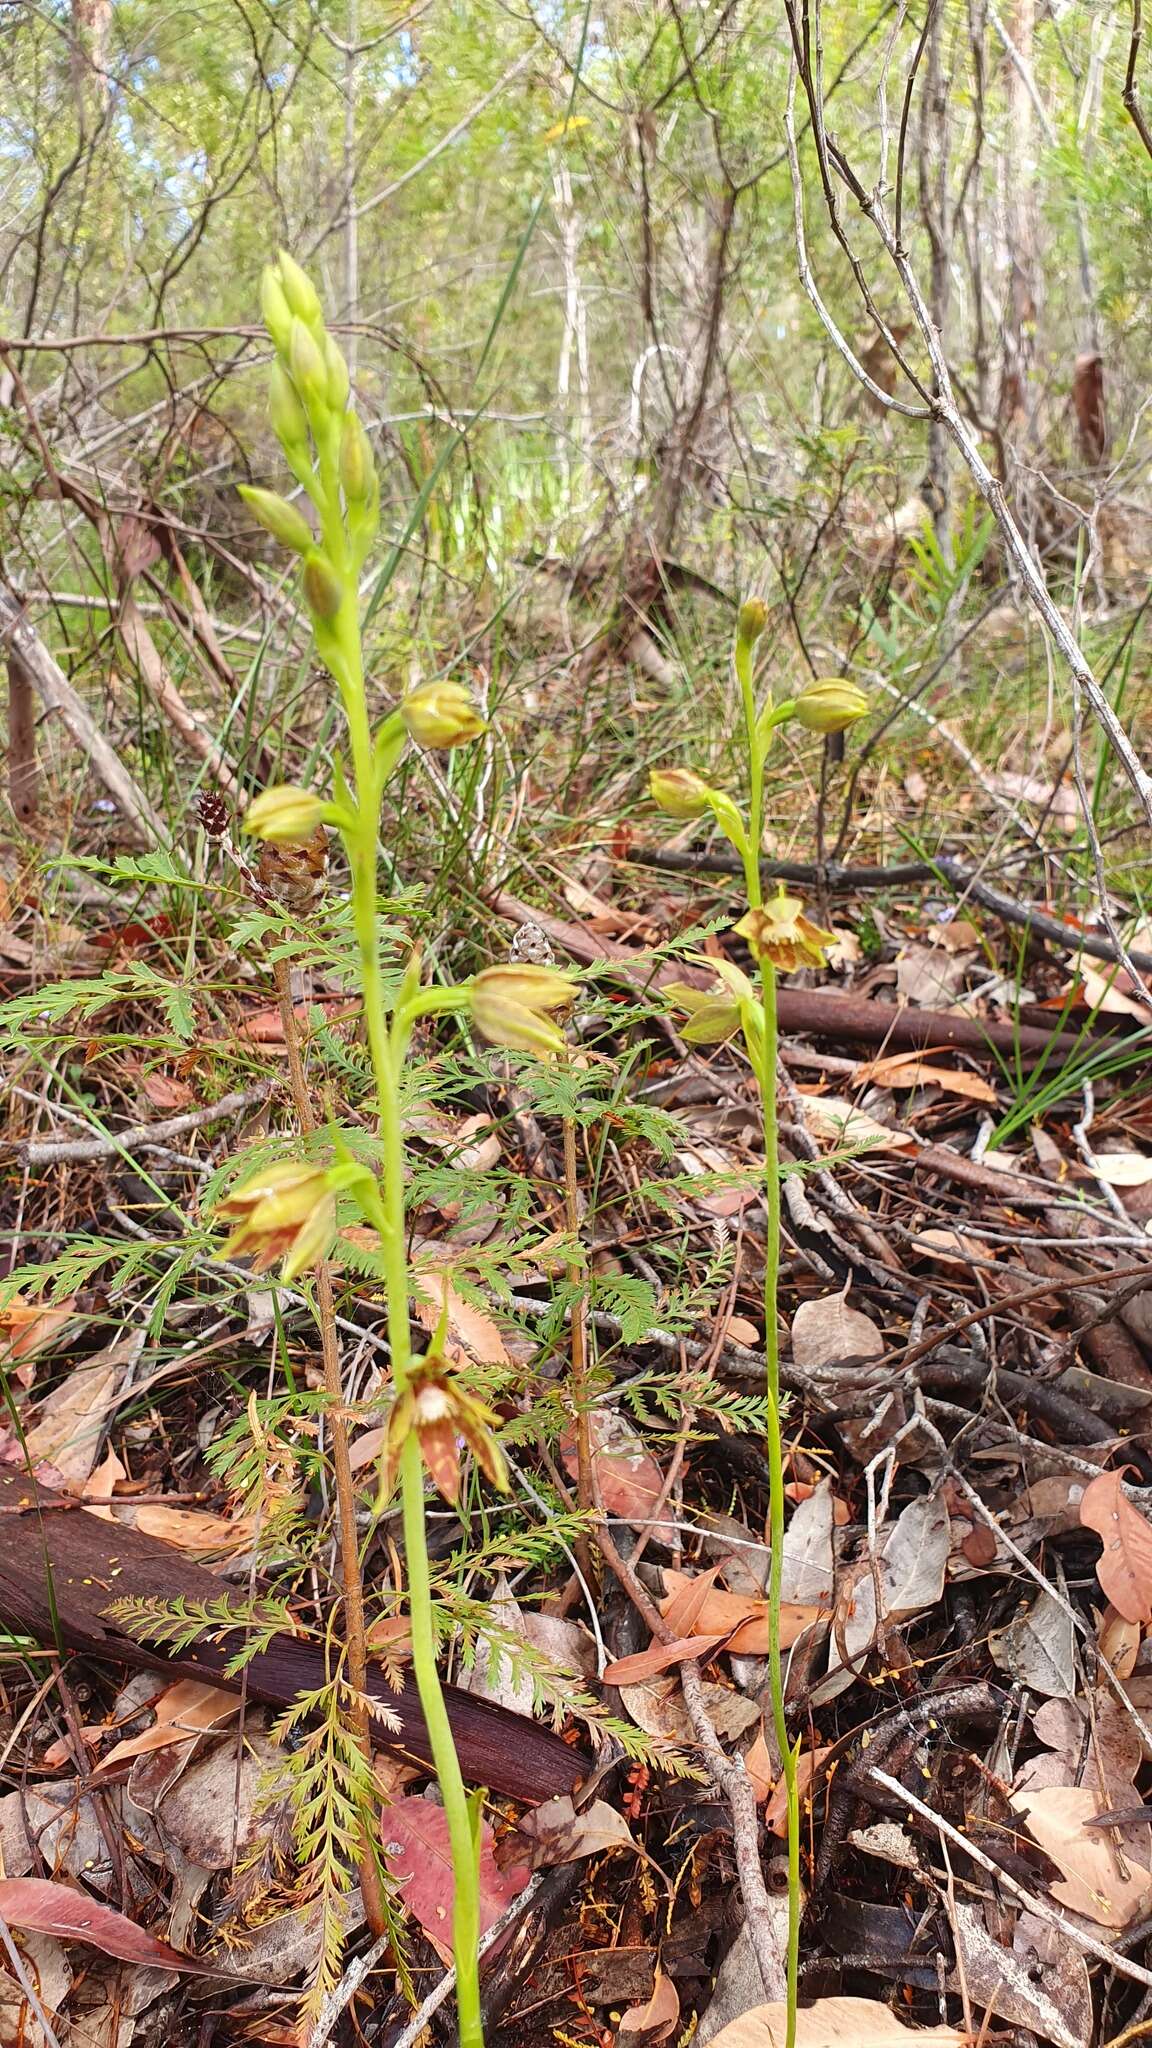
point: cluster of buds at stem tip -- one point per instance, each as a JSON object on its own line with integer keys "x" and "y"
{"x": 781, "y": 936}
{"x": 436, "y": 1409}
{"x": 441, "y": 715}
{"x": 325, "y": 444}
{"x": 513, "y": 1006}
{"x": 751, "y": 620}
{"x": 285, "y": 1213}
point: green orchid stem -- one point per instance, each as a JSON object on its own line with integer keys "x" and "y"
{"x": 387, "y": 1047}
{"x": 775, "y": 1447}
{"x": 463, "y": 1842}
{"x": 757, "y": 739}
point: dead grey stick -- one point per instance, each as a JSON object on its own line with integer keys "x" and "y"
{"x": 354, "y": 1976}
{"x": 138, "y": 1137}
{"x": 57, "y": 695}
{"x": 1122, "y": 1965}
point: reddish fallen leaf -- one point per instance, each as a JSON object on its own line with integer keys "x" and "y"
{"x": 1124, "y": 1567}
{"x": 685, "y": 1597}
{"x": 266, "y": 1027}
{"x": 38, "y": 1906}
{"x": 417, "y": 1850}
{"x": 628, "y": 1478}
{"x": 660, "y": 1657}
{"x": 164, "y": 1091}
{"x": 736, "y": 1615}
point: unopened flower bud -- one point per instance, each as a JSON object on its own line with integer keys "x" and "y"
{"x": 357, "y": 469}
{"x": 510, "y": 1006}
{"x": 285, "y": 814}
{"x": 274, "y": 307}
{"x": 322, "y": 586}
{"x": 711, "y": 1017}
{"x": 289, "y": 420}
{"x": 339, "y": 384}
{"x": 751, "y": 620}
{"x": 309, "y": 370}
{"x": 302, "y": 297}
{"x": 680, "y": 792}
{"x": 829, "y": 705}
{"x": 441, "y": 715}
{"x": 278, "y": 518}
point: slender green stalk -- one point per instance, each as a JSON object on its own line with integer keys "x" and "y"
{"x": 765, "y": 1068}
{"x": 463, "y": 1841}
{"x": 775, "y": 1448}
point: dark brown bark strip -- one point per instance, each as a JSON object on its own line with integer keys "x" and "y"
{"x": 46, "y": 1537}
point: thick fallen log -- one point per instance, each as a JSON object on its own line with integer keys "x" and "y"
{"x": 61, "y": 1570}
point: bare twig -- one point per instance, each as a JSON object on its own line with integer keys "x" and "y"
{"x": 138, "y": 1137}
{"x": 729, "y": 1778}
{"x": 1072, "y": 1932}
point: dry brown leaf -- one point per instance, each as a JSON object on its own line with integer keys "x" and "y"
{"x": 658, "y": 1708}
{"x": 165, "y": 1091}
{"x": 742, "y": 1619}
{"x": 102, "y": 1484}
{"x": 834, "y": 2023}
{"x": 776, "y": 1810}
{"x": 185, "y": 1711}
{"x": 655, "y": 2020}
{"x": 71, "y": 1420}
{"x": 1106, "y": 992}
{"x": 26, "y": 1327}
{"x": 758, "y": 1763}
{"x": 928, "y": 977}
{"x": 558, "y": 1834}
{"x": 1124, "y": 1169}
{"x": 1095, "y": 1881}
{"x": 911, "y": 1070}
{"x": 1124, "y": 1567}
{"x": 660, "y": 1657}
{"x": 826, "y": 1332}
{"x": 949, "y": 1247}
{"x": 841, "y": 1124}
{"x": 189, "y": 1529}
{"x": 628, "y": 1479}
{"x": 47, "y": 1969}
{"x": 469, "y": 1326}
{"x": 1119, "y": 1641}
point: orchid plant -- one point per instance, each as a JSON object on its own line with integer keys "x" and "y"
{"x": 286, "y": 1213}
{"x": 780, "y": 938}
